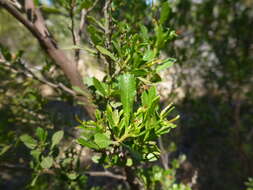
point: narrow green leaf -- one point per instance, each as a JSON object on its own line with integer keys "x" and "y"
{"x": 165, "y": 11}
{"x": 4, "y": 149}
{"x": 109, "y": 115}
{"x": 87, "y": 143}
{"x": 106, "y": 52}
{"x": 127, "y": 86}
{"x": 56, "y": 138}
{"x": 47, "y": 162}
{"x": 100, "y": 87}
{"x": 34, "y": 180}
{"x": 28, "y": 141}
{"x": 165, "y": 64}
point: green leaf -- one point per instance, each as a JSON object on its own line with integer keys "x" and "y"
{"x": 87, "y": 143}
{"x": 153, "y": 156}
{"x": 165, "y": 11}
{"x": 36, "y": 3}
{"x": 100, "y": 87}
{"x": 165, "y": 64}
{"x": 56, "y": 138}
{"x": 127, "y": 86}
{"x": 28, "y": 141}
{"x": 72, "y": 176}
{"x": 144, "y": 32}
{"x": 96, "y": 158}
{"x": 5, "y": 149}
{"x": 149, "y": 55}
{"x": 34, "y": 180}
{"x": 102, "y": 140}
{"x": 47, "y": 162}
{"x": 129, "y": 162}
{"x": 94, "y": 20}
{"x": 41, "y": 134}
{"x": 79, "y": 90}
{"x": 148, "y": 96}
{"x": 35, "y": 154}
{"x": 86, "y": 4}
{"x": 106, "y": 52}
{"x": 95, "y": 34}
{"x": 109, "y": 115}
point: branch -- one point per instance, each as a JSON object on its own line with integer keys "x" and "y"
{"x": 72, "y": 27}
{"x": 39, "y": 30}
{"x": 48, "y": 171}
{"x": 83, "y": 16}
{"x": 106, "y": 174}
{"x": 164, "y": 154}
{"x": 108, "y": 33}
{"x": 31, "y": 74}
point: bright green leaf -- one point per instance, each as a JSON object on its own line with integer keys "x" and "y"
{"x": 47, "y": 162}
{"x": 127, "y": 86}
{"x": 41, "y": 134}
{"x": 5, "y": 149}
{"x": 166, "y": 64}
{"x": 106, "y": 52}
{"x": 72, "y": 176}
{"x": 102, "y": 140}
{"x": 100, "y": 87}
{"x": 129, "y": 162}
{"x": 87, "y": 143}
{"x": 149, "y": 55}
{"x": 35, "y": 154}
{"x": 56, "y": 138}
{"x": 28, "y": 141}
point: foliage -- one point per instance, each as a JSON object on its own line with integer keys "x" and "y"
{"x": 249, "y": 184}
{"x": 128, "y": 120}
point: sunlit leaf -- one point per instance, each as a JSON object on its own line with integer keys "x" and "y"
{"x": 127, "y": 85}
{"x": 165, "y": 64}
{"x": 102, "y": 140}
{"x": 47, "y": 162}
{"x": 56, "y": 138}
{"x": 28, "y": 141}
{"x": 106, "y": 52}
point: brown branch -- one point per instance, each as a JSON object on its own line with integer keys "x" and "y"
{"x": 29, "y": 73}
{"x": 39, "y": 30}
{"x": 52, "y": 172}
{"x": 105, "y": 174}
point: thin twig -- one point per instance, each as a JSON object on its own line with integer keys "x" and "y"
{"x": 52, "y": 172}
{"x": 164, "y": 155}
{"x": 108, "y": 33}
{"x": 84, "y": 13}
{"x": 31, "y": 74}
{"x": 72, "y": 27}
{"x": 105, "y": 174}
